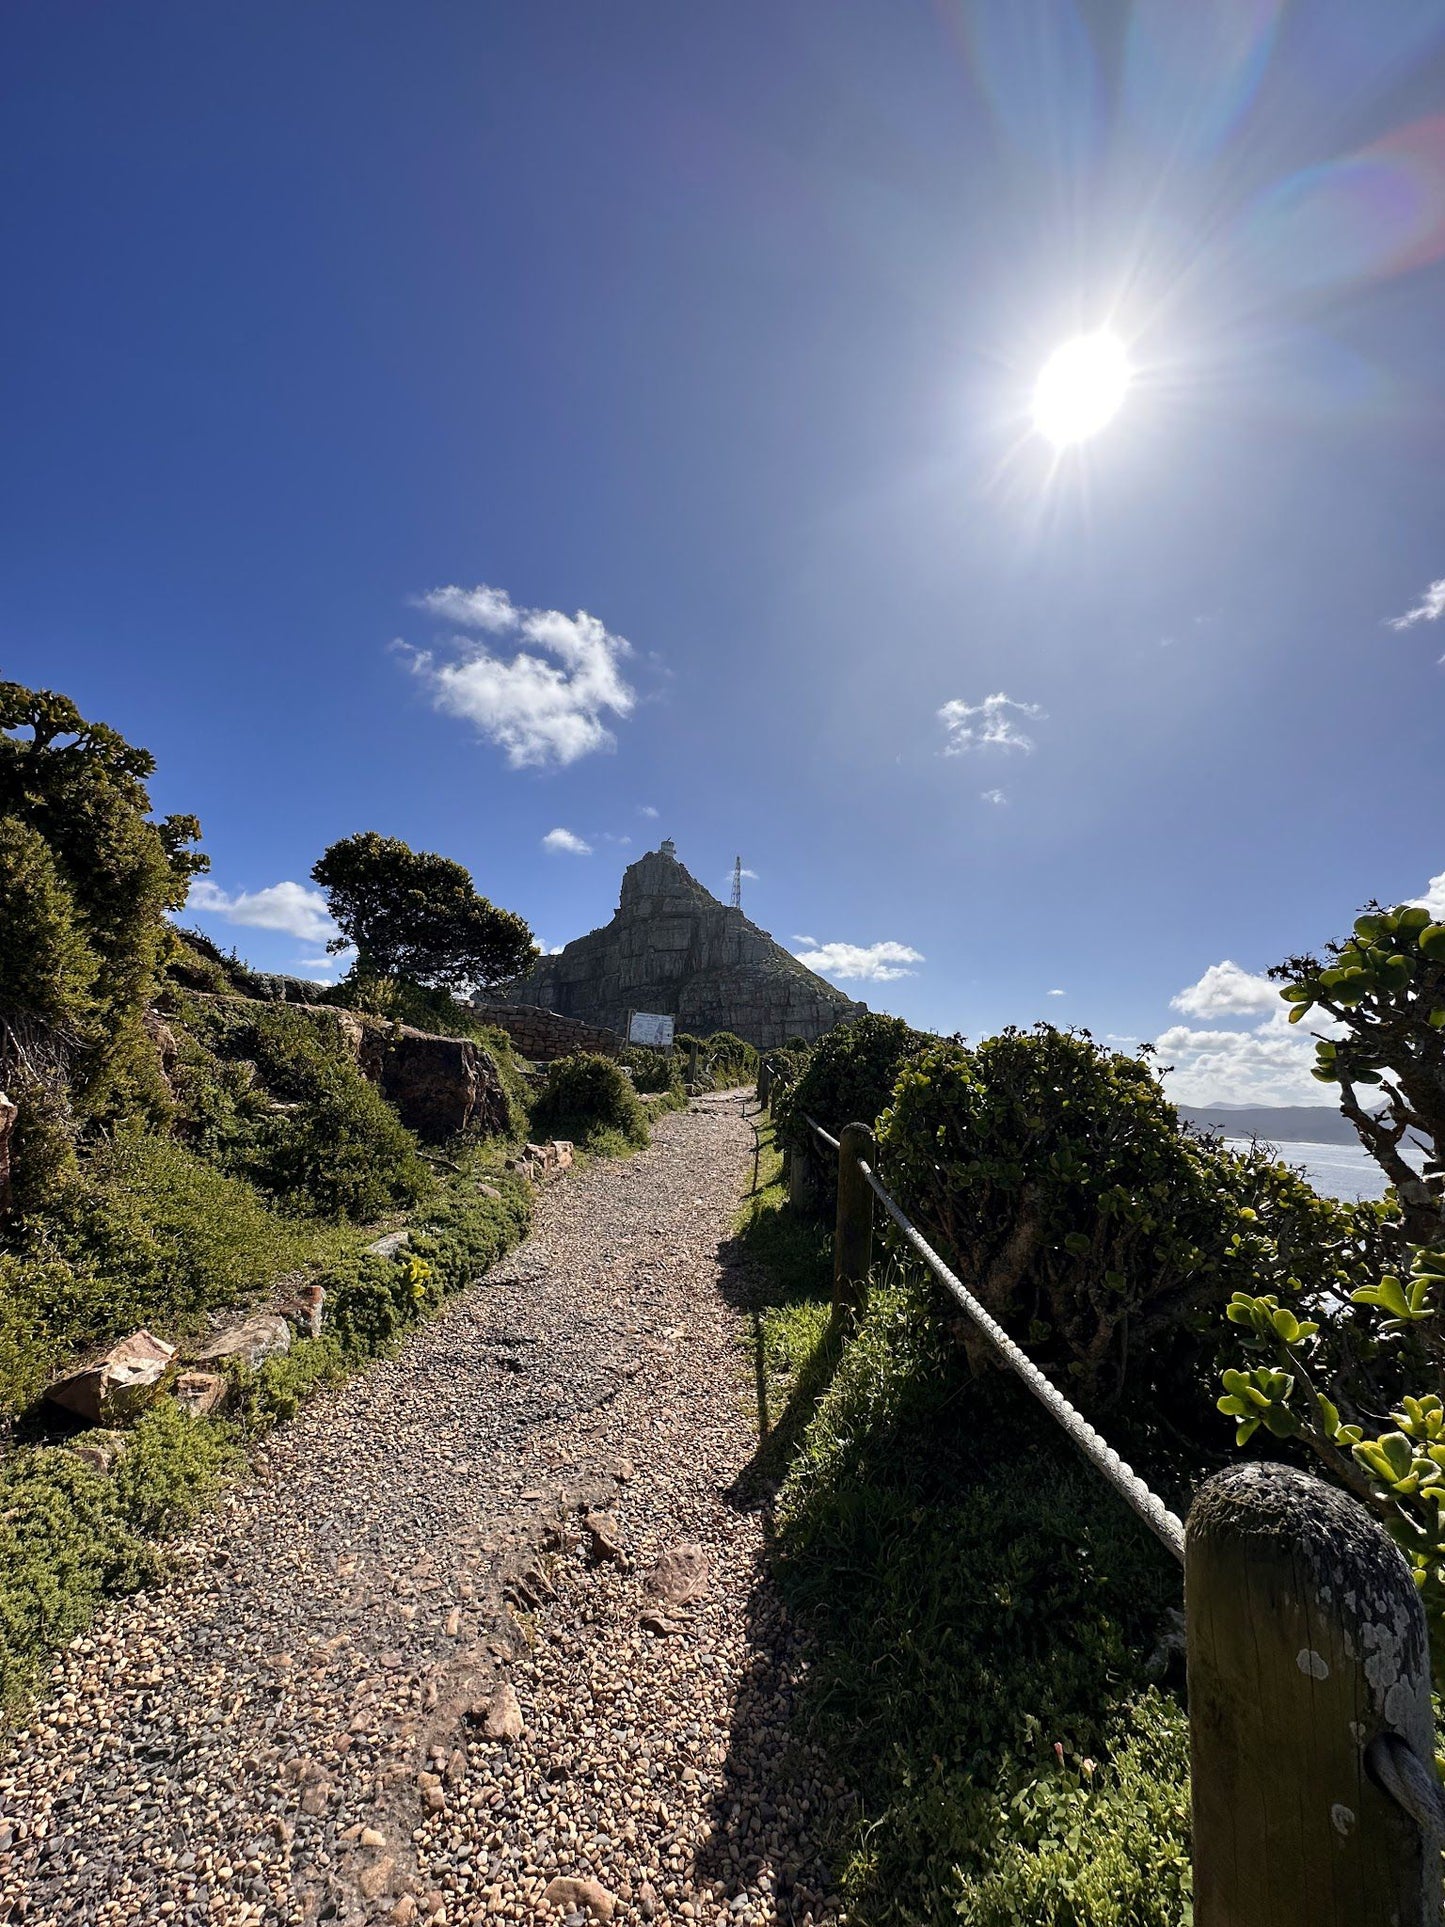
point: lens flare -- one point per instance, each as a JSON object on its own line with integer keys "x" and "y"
{"x": 1080, "y": 388}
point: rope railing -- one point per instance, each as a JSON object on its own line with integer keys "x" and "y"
{"x": 1166, "y": 1526}
{"x": 1313, "y": 1787}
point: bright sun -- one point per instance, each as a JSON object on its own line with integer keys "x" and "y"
{"x": 1081, "y": 387}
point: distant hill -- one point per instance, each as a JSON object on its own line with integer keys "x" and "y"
{"x": 1278, "y": 1123}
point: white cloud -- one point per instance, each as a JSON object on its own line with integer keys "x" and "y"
{"x": 1058, "y": 993}
{"x": 991, "y": 724}
{"x": 874, "y": 962}
{"x": 325, "y": 966}
{"x": 808, "y": 943}
{"x": 538, "y": 711}
{"x": 744, "y": 872}
{"x": 291, "y": 907}
{"x": 566, "y": 843}
{"x": 992, "y": 796}
{"x": 1434, "y": 898}
{"x": 646, "y": 809}
{"x": 1429, "y": 608}
{"x": 479, "y": 608}
{"x": 1269, "y": 1064}
{"x": 1226, "y": 990}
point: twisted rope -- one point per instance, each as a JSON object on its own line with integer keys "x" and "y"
{"x": 1164, "y": 1524}
{"x": 1410, "y": 1783}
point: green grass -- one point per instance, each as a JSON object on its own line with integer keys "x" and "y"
{"x": 975, "y": 1598}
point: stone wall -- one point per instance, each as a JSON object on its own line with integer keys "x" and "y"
{"x": 674, "y": 949}
{"x": 543, "y": 1035}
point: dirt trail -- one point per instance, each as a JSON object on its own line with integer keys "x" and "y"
{"x": 291, "y": 1731}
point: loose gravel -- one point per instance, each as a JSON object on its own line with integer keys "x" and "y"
{"x": 318, "y": 1719}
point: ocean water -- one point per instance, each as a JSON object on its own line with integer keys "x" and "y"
{"x": 1336, "y": 1170}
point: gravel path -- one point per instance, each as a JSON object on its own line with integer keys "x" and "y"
{"x": 312, "y": 1722}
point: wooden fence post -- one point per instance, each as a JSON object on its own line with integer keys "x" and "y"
{"x": 1307, "y": 1644}
{"x": 692, "y": 1062}
{"x": 803, "y": 1175}
{"x": 765, "y": 1082}
{"x": 853, "y": 1229}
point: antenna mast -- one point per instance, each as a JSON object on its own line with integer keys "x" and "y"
{"x": 738, "y": 884}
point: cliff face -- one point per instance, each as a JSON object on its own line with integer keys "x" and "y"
{"x": 673, "y": 948}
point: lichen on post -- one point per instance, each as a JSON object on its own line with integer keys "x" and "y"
{"x": 1307, "y": 1643}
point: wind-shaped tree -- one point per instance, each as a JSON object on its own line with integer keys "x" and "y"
{"x": 417, "y": 916}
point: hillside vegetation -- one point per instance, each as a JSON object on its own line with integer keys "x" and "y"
{"x": 191, "y": 1140}
{"x": 996, "y": 1663}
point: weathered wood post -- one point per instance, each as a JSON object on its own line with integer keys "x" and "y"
{"x": 853, "y": 1228}
{"x": 765, "y": 1082}
{"x": 692, "y": 1062}
{"x": 1308, "y": 1659}
{"x": 802, "y": 1158}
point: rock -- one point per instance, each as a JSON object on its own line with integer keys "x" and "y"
{"x": 265, "y": 1334}
{"x": 564, "y": 1149}
{"x": 313, "y": 1300}
{"x": 99, "y": 1450}
{"x": 257, "y": 1338}
{"x": 376, "y": 1879}
{"x": 673, "y": 948}
{"x": 199, "y": 1392}
{"x": 566, "y": 1892}
{"x": 404, "y": 1912}
{"x": 371, "y": 1838}
{"x": 602, "y": 1531}
{"x": 658, "y": 1623}
{"x": 647, "y": 1902}
{"x": 622, "y": 1471}
{"x": 500, "y": 1717}
{"x": 118, "y": 1385}
{"x": 316, "y": 1798}
{"x": 439, "y": 1085}
{"x": 388, "y": 1246}
{"x": 680, "y": 1576}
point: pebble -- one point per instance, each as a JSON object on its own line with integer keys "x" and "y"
{"x": 281, "y": 1734}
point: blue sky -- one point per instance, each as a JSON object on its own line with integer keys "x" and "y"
{"x": 351, "y": 350}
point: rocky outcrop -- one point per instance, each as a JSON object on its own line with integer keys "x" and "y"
{"x": 438, "y": 1085}
{"x": 674, "y": 949}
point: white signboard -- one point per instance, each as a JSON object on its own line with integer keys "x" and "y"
{"x": 645, "y": 1028}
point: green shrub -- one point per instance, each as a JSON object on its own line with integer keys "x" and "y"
{"x": 729, "y": 1060}
{"x": 338, "y": 1149}
{"x": 784, "y": 1067}
{"x": 973, "y": 1597}
{"x": 1057, "y": 1179}
{"x": 1105, "y": 1845}
{"x": 71, "y": 1536}
{"x": 848, "y": 1078}
{"x": 586, "y": 1098}
{"x": 87, "y": 880}
{"x": 653, "y": 1071}
{"x": 371, "y": 1299}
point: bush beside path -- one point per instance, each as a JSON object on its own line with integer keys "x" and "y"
{"x": 490, "y": 1621}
